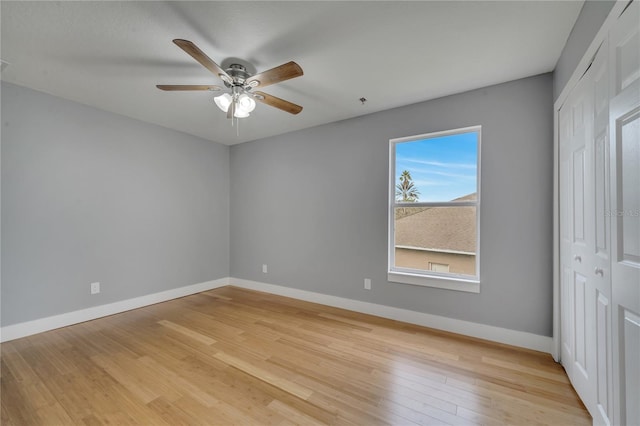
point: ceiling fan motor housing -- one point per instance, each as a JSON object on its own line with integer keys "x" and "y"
{"x": 238, "y": 74}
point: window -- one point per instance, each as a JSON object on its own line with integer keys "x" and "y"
{"x": 438, "y": 267}
{"x": 434, "y": 212}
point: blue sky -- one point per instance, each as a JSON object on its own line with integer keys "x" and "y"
{"x": 443, "y": 168}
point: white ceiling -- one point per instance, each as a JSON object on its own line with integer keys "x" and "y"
{"x": 110, "y": 55}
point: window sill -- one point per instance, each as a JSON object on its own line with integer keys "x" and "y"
{"x": 447, "y": 283}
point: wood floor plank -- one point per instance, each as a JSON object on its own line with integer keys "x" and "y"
{"x": 54, "y": 414}
{"x": 264, "y": 375}
{"x": 233, "y": 356}
{"x": 188, "y": 332}
{"x": 420, "y": 388}
{"x": 178, "y": 383}
{"x": 536, "y": 372}
{"x": 295, "y": 416}
{"x": 123, "y": 372}
{"x": 18, "y": 367}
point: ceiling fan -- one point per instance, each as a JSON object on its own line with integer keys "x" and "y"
{"x": 240, "y": 100}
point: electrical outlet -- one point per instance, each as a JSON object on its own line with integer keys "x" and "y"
{"x": 264, "y": 269}
{"x": 95, "y": 288}
{"x": 367, "y": 283}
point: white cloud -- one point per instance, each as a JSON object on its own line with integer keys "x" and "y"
{"x": 440, "y": 164}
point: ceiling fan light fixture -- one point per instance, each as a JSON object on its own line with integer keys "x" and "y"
{"x": 246, "y": 103}
{"x": 223, "y": 101}
{"x": 240, "y": 114}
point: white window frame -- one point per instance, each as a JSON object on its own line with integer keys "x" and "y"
{"x": 458, "y": 282}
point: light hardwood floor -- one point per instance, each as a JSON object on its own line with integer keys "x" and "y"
{"x": 233, "y": 356}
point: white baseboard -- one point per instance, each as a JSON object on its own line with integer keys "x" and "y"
{"x": 496, "y": 334}
{"x": 482, "y": 331}
{"x": 28, "y": 328}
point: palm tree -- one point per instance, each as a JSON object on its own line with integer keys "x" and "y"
{"x": 406, "y": 191}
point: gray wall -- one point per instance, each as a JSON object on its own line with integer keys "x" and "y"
{"x": 93, "y": 196}
{"x": 312, "y": 205}
{"x": 591, "y": 18}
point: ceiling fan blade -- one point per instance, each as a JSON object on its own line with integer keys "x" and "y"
{"x": 275, "y": 75}
{"x": 201, "y": 57}
{"x": 278, "y": 103}
{"x": 171, "y": 87}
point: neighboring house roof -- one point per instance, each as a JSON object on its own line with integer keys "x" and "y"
{"x": 439, "y": 228}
